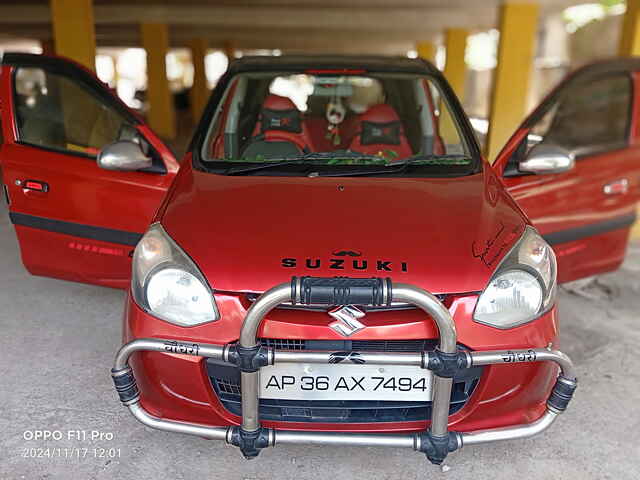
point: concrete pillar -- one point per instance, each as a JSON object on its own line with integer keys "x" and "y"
{"x": 427, "y": 51}
{"x": 74, "y": 31}
{"x": 518, "y": 26}
{"x": 455, "y": 69}
{"x": 161, "y": 115}
{"x": 199, "y": 89}
{"x": 630, "y": 35}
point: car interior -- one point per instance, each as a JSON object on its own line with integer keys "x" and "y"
{"x": 392, "y": 117}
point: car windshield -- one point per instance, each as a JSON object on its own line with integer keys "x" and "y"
{"x": 335, "y": 124}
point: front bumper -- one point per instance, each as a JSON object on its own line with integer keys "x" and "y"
{"x": 444, "y": 361}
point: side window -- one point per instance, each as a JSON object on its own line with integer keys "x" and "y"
{"x": 590, "y": 116}
{"x": 54, "y": 111}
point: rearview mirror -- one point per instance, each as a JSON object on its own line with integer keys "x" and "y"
{"x": 123, "y": 155}
{"x": 546, "y": 158}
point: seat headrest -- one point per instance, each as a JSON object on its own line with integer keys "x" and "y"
{"x": 380, "y": 125}
{"x": 280, "y": 113}
{"x": 380, "y": 113}
{"x": 276, "y": 102}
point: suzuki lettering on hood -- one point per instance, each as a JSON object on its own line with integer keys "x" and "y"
{"x": 352, "y": 261}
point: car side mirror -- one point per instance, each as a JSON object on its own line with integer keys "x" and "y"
{"x": 547, "y": 158}
{"x": 123, "y": 155}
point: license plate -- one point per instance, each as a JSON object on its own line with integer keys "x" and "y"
{"x": 299, "y": 381}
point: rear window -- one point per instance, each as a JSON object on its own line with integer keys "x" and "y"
{"x": 335, "y": 120}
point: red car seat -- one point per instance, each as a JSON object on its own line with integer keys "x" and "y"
{"x": 380, "y": 130}
{"x": 281, "y": 124}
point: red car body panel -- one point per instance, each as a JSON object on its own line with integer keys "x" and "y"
{"x": 268, "y": 230}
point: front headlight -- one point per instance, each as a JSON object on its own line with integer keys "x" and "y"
{"x": 167, "y": 284}
{"x": 523, "y": 286}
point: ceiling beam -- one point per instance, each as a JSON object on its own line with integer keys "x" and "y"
{"x": 371, "y": 26}
{"x": 347, "y": 18}
{"x": 243, "y": 39}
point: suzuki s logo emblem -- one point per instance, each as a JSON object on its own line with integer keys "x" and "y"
{"x": 347, "y": 320}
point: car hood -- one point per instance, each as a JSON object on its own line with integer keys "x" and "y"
{"x": 249, "y": 233}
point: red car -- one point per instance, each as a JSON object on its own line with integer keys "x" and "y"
{"x": 334, "y": 262}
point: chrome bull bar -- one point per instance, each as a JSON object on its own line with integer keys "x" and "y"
{"x": 436, "y": 442}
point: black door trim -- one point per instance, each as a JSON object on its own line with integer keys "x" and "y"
{"x": 132, "y": 238}
{"x": 110, "y": 235}
{"x": 572, "y": 234}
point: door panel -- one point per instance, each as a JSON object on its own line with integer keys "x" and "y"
{"x": 85, "y": 223}
{"x": 587, "y": 228}
{"x": 585, "y": 213}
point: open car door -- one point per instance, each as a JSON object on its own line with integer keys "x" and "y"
{"x": 73, "y": 219}
{"x": 574, "y": 167}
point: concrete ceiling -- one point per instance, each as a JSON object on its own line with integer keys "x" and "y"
{"x": 363, "y": 26}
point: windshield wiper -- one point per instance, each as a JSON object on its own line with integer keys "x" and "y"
{"x": 400, "y": 167}
{"x": 322, "y": 158}
{"x": 450, "y": 159}
{"x": 342, "y": 159}
{"x": 262, "y": 166}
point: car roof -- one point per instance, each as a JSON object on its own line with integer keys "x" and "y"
{"x": 334, "y": 62}
{"x": 614, "y": 65}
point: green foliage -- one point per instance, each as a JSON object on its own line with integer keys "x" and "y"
{"x": 611, "y": 3}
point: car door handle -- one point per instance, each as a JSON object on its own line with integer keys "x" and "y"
{"x": 35, "y": 185}
{"x": 617, "y": 187}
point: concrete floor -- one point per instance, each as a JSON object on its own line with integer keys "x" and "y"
{"x": 58, "y": 340}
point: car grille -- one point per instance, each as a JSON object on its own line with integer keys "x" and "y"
{"x": 225, "y": 380}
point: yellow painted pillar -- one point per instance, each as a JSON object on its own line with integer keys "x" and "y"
{"x": 455, "y": 69}
{"x": 518, "y": 25}
{"x": 199, "y": 89}
{"x": 630, "y": 46}
{"x": 74, "y": 31}
{"x": 161, "y": 116}
{"x": 630, "y": 35}
{"x": 427, "y": 51}
{"x": 635, "y": 230}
